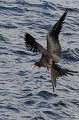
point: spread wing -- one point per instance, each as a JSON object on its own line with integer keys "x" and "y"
{"x": 32, "y": 45}
{"x": 53, "y": 45}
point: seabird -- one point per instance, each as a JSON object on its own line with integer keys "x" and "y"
{"x": 50, "y": 56}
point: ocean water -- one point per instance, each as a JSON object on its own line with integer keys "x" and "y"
{"x": 27, "y": 94}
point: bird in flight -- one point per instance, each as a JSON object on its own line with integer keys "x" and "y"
{"x": 50, "y": 56}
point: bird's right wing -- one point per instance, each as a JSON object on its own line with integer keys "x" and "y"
{"x": 34, "y": 46}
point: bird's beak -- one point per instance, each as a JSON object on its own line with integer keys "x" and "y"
{"x": 32, "y": 67}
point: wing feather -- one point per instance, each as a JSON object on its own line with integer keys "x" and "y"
{"x": 58, "y": 26}
{"x": 34, "y": 46}
{"x": 53, "y": 45}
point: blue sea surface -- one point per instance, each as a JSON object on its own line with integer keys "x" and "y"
{"x": 27, "y": 94}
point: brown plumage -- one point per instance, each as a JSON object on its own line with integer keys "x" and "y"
{"x": 51, "y": 55}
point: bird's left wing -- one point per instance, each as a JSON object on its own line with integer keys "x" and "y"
{"x": 53, "y": 45}
{"x": 34, "y": 46}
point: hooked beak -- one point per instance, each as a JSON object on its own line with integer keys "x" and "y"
{"x": 32, "y": 67}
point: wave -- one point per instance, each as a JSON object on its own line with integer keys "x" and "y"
{"x": 71, "y": 55}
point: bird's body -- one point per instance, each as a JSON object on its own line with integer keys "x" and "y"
{"x": 51, "y": 55}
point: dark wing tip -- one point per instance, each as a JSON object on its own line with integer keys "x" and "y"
{"x": 30, "y": 43}
{"x": 66, "y": 10}
{"x": 58, "y": 26}
{"x": 28, "y": 36}
{"x": 64, "y": 15}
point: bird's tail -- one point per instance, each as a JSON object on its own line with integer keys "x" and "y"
{"x": 57, "y": 71}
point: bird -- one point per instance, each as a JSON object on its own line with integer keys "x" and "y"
{"x": 50, "y": 56}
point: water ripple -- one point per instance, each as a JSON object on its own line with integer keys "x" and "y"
{"x": 44, "y": 105}
{"x": 46, "y": 94}
{"x": 52, "y": 115}
{"x": 60, "y": 103}
{"x": 30, "y": 102}
{"x": 75, "y": 102}
{"x": 9, "y": 107}
{"x": 38, "y": 118}
{"x": 71, "y": 55}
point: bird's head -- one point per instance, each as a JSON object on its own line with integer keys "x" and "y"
{"x": 37, "y": 64}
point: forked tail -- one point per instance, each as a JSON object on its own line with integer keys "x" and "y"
{"x": 57, "y": 71}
